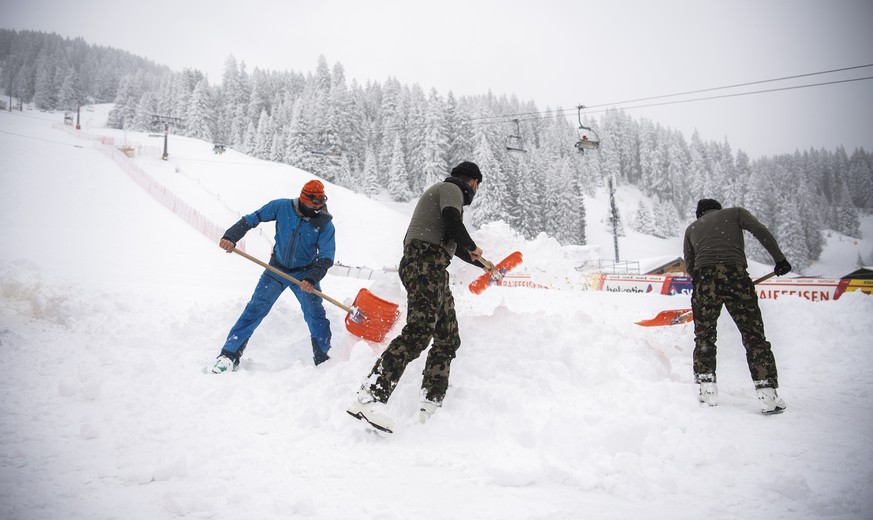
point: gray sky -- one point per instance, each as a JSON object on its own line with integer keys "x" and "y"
{"x": 557, "y": 53}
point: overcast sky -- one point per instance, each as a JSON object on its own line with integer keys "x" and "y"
{"x": 556, "y": 53}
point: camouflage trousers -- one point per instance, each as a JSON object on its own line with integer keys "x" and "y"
{"x": 430, "y": 315}
{"x": 730, "y": 286}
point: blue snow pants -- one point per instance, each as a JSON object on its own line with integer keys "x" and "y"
{"x": 266, "y": 293}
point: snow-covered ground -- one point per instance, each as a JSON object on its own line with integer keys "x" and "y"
{"x": 559, "y": 407}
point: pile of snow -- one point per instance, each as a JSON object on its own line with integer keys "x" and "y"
{"x": 559, "y": 407}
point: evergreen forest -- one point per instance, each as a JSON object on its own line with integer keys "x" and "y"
{"x": 396, "y": 139}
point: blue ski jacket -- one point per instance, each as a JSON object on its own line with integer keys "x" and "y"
{"x": 304, "y": 247}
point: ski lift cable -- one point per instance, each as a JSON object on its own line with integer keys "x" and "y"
{"x": 733, "y": 86}
{"x": 535, "y": 116}
{"x": 703, "y": 98}
{"x": 737, "y": 94}
{"x": 530, "y": 116}
{"x": 510, "y": 117}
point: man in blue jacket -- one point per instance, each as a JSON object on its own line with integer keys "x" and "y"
{"x": 305, "y": 247}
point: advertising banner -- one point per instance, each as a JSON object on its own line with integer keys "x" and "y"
{"x": 678, "y": 285}
{"x": 813, "y": 289}
{"x": 643, "y": 284}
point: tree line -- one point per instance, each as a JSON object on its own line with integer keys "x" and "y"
{"x": 396, "y": 139}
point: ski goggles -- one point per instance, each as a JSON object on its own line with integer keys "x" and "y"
{"x": 314, "y": 200}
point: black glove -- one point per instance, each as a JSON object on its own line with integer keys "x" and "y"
{"x": 782, "y": 267}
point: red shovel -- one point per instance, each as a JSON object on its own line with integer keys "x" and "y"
{"x": 680, "y": 316}
{"x": 369, "y": 318}
{"x": 496, "y": 275}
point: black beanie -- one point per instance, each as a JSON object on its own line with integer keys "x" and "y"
{"x": 467, "y": 169}
{"x": 704, "y": 205}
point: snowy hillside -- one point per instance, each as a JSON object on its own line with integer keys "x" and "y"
{"x": 559, "y": 406}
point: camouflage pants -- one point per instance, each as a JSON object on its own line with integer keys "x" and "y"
{"x": 729, "y": 286}
{"x": 430, "y": 314}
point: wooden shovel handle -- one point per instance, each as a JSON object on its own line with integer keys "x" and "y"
{"x": 765, "y": 277}
{"x": 292, "y": 279}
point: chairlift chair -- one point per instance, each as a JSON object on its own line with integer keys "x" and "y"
{"x": 585, "y": 142}
{"x": 514, "y": 142}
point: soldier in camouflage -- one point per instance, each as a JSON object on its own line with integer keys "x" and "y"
{"x": 716, "y": 260}
{"x": 436, "y": 233}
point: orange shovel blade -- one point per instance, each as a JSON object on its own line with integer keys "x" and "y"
{"x": 487, "y": 280}
{"x": 671, "y": 317}
{"x": 376, "y": 318}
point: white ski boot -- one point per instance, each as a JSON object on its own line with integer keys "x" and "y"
{"x": 770, "y": 401}
{"x": 366, "y": 408}
{"x": 224, "y": 364}
{"x": 708, "y": 394}
{"x": 426, "y": 409}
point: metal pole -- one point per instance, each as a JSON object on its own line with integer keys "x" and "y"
{"x": 166, "y": 132}
{"x": 614, "y": 218}
{"x": 78, "y": 107}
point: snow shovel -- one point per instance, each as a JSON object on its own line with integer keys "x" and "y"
{"x": 680, "y": 316}
{"x": 369, "y": 317}
{"x": 488, "y": 279}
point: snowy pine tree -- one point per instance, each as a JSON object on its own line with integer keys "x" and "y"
{"x": 789, "y": 234}
{"x": 489, "y": 198}
{"x": 460, "y": 133}
{"x": 142, "y": 119}
{"x": 250, "y": 139}
{"x": 371, "y": 180}
{"x": 645, "y": 222}
{"x": 263, "y": 139}
{"x": 571, "y": 215}
{"x": 70, "y": 95}
{"x": 666, "y": 220}
{"x": 199, "y": 118}
{"x": 435, "y": 146}
{"x": 398, "y": 177}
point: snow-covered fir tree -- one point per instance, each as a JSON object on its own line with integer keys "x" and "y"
{"x": 435, "y": 145}
{"x": 398, "y": 177}
{"x": 199, "y": 117}
{"x": 263, "y": 140}
{"x": 789, "y": 233}
{"x": 490, "y": 197}
{"x": 644, "y": 220}
{"x": 666, "y": 220}
{"x": 370, "y": 178}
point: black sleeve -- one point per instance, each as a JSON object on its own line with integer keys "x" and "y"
{"x": 237, "y": 231}
{"x": 464, "y": 255}
{"x": 456, "y": 230}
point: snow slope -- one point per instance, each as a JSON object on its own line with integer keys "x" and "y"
{"x": 559, "y": 407}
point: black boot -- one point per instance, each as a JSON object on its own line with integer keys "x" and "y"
{"x": 318, "y": 355}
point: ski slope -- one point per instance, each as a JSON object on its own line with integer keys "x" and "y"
{"x": 559, "y": 407}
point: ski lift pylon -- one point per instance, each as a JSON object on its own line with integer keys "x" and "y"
{"x": 585, "y": 142}
{"x": 514, "y": 142}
